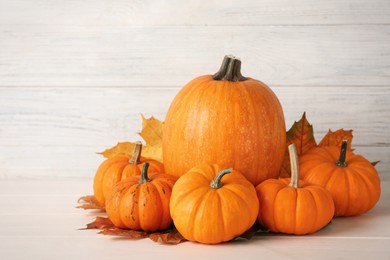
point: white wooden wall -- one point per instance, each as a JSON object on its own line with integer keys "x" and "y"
{"x": 76, "y": 74}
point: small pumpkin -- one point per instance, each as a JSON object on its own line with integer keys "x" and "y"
{"x": 210, "y": 204}
{"x": 351, "y": 179}
{"x": 292, "y": 206}
{"x": 141, "y": 202}
{"x": 228, "y": 119}
{"x": 117, "y": 168}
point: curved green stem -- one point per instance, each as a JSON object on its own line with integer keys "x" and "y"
{"x": 343, "y": 155}
{"x": 230, "y": 70}
{"x": 144, "y": 174}
{"x": 216, "y": 183}
{"x": 292, "y": 149}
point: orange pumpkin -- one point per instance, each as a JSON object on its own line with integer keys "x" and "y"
{"x": 226, "y": 119}
{"x": 209, "y": 210}
{"x": 117, "y": 168}
{"x": 292, "y": 206}
{"x": 351, "y": 179}
{"x": 142, "y": 202}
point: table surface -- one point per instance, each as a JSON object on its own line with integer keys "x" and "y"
{"x": 39, "y": 221}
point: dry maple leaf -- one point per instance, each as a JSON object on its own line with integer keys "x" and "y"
{"x": 152, "y": 130}
{"x": 100, "y": 223}
{"x": 170, "y": 236}
{"x": 301, "y": 133}
{"x": 336, "y": 138}
{"x": 89, "y": 202}
{"x": 124, "y": 148}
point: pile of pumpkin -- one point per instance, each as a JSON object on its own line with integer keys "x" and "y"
{"x": 224, "y": 141}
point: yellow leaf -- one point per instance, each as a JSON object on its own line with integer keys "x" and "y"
{"x": 125, "y": 148}
{"x": 152, "y": 132}
{"x": 153, "y": 152}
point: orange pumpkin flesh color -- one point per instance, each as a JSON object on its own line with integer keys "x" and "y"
{"x": 351, "y": 179}
{"x": 142, "y": 202}
{"x": 209, "y": 210}
{"x": 117, "y": 168}
{"x": 292, "y": 206}
{"x": 226, "y": 119}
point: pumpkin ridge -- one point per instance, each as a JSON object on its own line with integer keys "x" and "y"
{"x": 316, "y": 198}
{"x": 195, "y": 207}
{"x": 196, "y": 216}
{"x": 277, "y": 202}
{"x": 123, "y": 203}
{"x": 315, "y": 222}
{"x": 238, "y": 196}
{"x": 114, "y": 170}
{"x": 363, "y": 188}
{"x": 160, "y": 188}
{"x": 156, "y": 198}
{"x": 366, "y": 182}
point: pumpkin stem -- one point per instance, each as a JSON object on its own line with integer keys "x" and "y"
{"x": 292, "y": 149}
{"x": 230, "y": 70}
{"x": 136, "y": 153}
{"x": 216, "y": 183}
{"x": 343, "y": 155}
{"x": 144, "y": 174}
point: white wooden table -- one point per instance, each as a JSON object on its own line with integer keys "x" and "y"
{"x": 38, "y": 220}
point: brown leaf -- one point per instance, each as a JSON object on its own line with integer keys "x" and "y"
{"x": 375, "y": 163}
{"x": 336, "y": 138}
{"x": 89, "y": 202}
{"x": 301, "y": 133}
{"x": 172, "y": 237}
{"x": 127, "y": 233}
{"x": 100, "y": 223}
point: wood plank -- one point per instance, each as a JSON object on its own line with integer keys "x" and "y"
{"x": 47, "y": 230}
{"x": 57, "y": 131}
{"x": 75, "y": 55}
{"x": 247, "y": 12}
{"x": 106, "y": 248}
{"x": 103, "y": 116}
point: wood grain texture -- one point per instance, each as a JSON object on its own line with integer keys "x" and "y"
{"x": 57, "y": 131}
{"x": 74, "y": 75}
{"x": 38, "y": 220}
{"x": 193, "y": 12}
{"x": 56, "y": 55}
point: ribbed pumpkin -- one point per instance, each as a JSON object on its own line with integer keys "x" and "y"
{"x": 351, "y": 179}
{"x": 210, "y": 204}
{"x": 142, "y": 202}
{"x": 226, "y": 119}
{"x": 292, "y": 206}
{"x": 117, "y": 168}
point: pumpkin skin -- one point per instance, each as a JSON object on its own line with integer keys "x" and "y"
{"x": 355, "y": 187}
{"x": 215, "y": 214}
{"x": 293, "y": 207}
{"x": 117, "y": 168}
{"x": 235, "y": 123}
{"x": 141, "y": 202}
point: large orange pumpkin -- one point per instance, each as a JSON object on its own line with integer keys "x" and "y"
{"x": 292, "y": 206}
{"x": 351, "y": 179}
{"x": 142, "y": 202}
{"x": 226, "y": 119}
{"x": 210, "y": 204}
{"x": 117, "y": 168}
